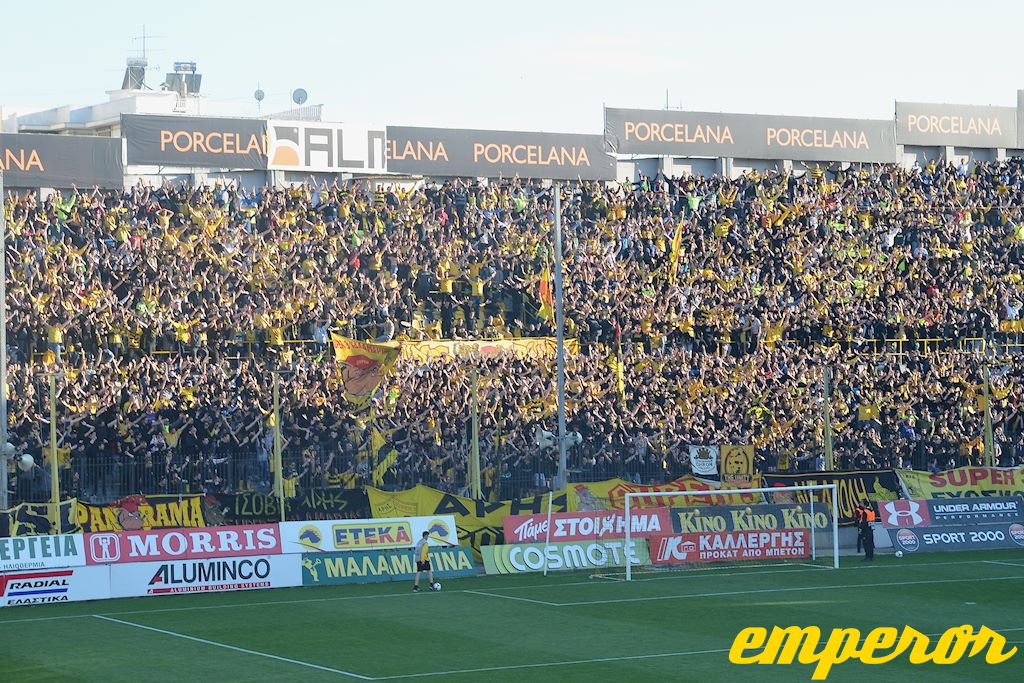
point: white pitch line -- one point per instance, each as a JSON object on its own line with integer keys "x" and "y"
{"x": 705, "y": 573}
{"x": 1005, "y": 564}
{"x": 784, "y": 590}
{"x": 512, "y": 667}
{"x": 235, "y": 649}
{"x": 513, "y": 597}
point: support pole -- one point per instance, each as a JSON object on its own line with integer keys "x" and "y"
{"x": 474, "y": 454}
{"x": 563, "y": 477}
{"x": 990, "y": 450}
{"x": 278, "y": 466}
{"x": 54, "y": 467}
{"x": 827, "y": 411}
{"x": 4, "y": 455}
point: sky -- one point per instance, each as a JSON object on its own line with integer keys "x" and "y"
{"x": 524, "y": 65}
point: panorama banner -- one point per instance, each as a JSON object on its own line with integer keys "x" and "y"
{"x": 325, "y": 147}
{"x": 33, "y": 160}
{"x": 54, "y": 586}
{"x": 964, "y": 482}
{"x": 160, "y": 511}
{"x": 581, "y": 526}
{"x": 181, "y": 544}
{"x": 325, "y": 569}
{"x": 133, "y": 579}
{"x": 532, "y": 557}
{"x": 207, "y": 141}
{"x": 851, "y": 488}
{"x": 498, "y": 153}
{"x": 961, "y": 125}
{"x": 366, "y": 534}
{"x": 479, "y": 522}
{"x": 41, "y": 552}
{"x": 748, "y": 136}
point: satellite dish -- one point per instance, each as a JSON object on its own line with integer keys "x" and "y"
{"x": 259, "y": 95}
{"x": 299, "y": 96}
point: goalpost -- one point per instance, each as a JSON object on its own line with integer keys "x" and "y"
{"x": 738, "y": 529}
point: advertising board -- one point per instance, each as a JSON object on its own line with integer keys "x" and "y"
{"x": 41, "y": 552}
{"x": 54, "y": 585}
{"x": 133, "y": 579}
{"x": 498, "y": 153}
{"x": 373, "y": 566}
{"x": 181, "y": 544}
{"x": 532, "y": 557}
{"x": 60, "y": 161}
{"x": 949, "y": 512}
{"x": 731, "y": 546}
{"x": 365, "y": 534}
{"x": 951, "y": 538}
{"x": 582, "y": 526}
{"x": 751, "y": 518}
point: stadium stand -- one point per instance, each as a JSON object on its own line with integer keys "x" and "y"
{"x": 706, "y": 309}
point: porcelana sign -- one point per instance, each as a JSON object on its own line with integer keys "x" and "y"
{"x": 955, "y": 124}
{"x": 748, "y": 136}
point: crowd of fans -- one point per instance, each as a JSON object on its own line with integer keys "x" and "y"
{"x": 708, "y": 311}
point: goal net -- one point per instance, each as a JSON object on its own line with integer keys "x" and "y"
{"x": 738, "y": 527}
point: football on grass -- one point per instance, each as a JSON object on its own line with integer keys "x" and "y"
{"x": 436, "y": 586}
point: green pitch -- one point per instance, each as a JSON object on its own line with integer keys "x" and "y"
{"x": 568, "y": 627}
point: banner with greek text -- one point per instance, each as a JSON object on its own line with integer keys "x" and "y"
{"x": 581, "y": 526}
{"x": 319, "y": 503}
{"x": 851, "y": 487}
{"x": 611, "y": 494}
{"x": 731, "y": 546}
{"x": 325, "y": 569}
{"x": 751, "y": 518}
{"x": 41, "y": 552}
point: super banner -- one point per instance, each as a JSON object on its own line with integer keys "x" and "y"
{"x": 163, "y": 511}
{"x": 479, "y": 522}
{"x": 325, "y": 569}
{"x": 611, "y": 494}
{"x": 534, "y": 557}
{"x": 851, "y": 488}
{"x": 964, "y": 482}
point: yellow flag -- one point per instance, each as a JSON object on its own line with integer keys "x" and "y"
{"x": 677, "y": 246}
{"x": 363, "y": 366}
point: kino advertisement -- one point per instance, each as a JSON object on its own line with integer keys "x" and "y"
{"x": 749, "y": 136}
